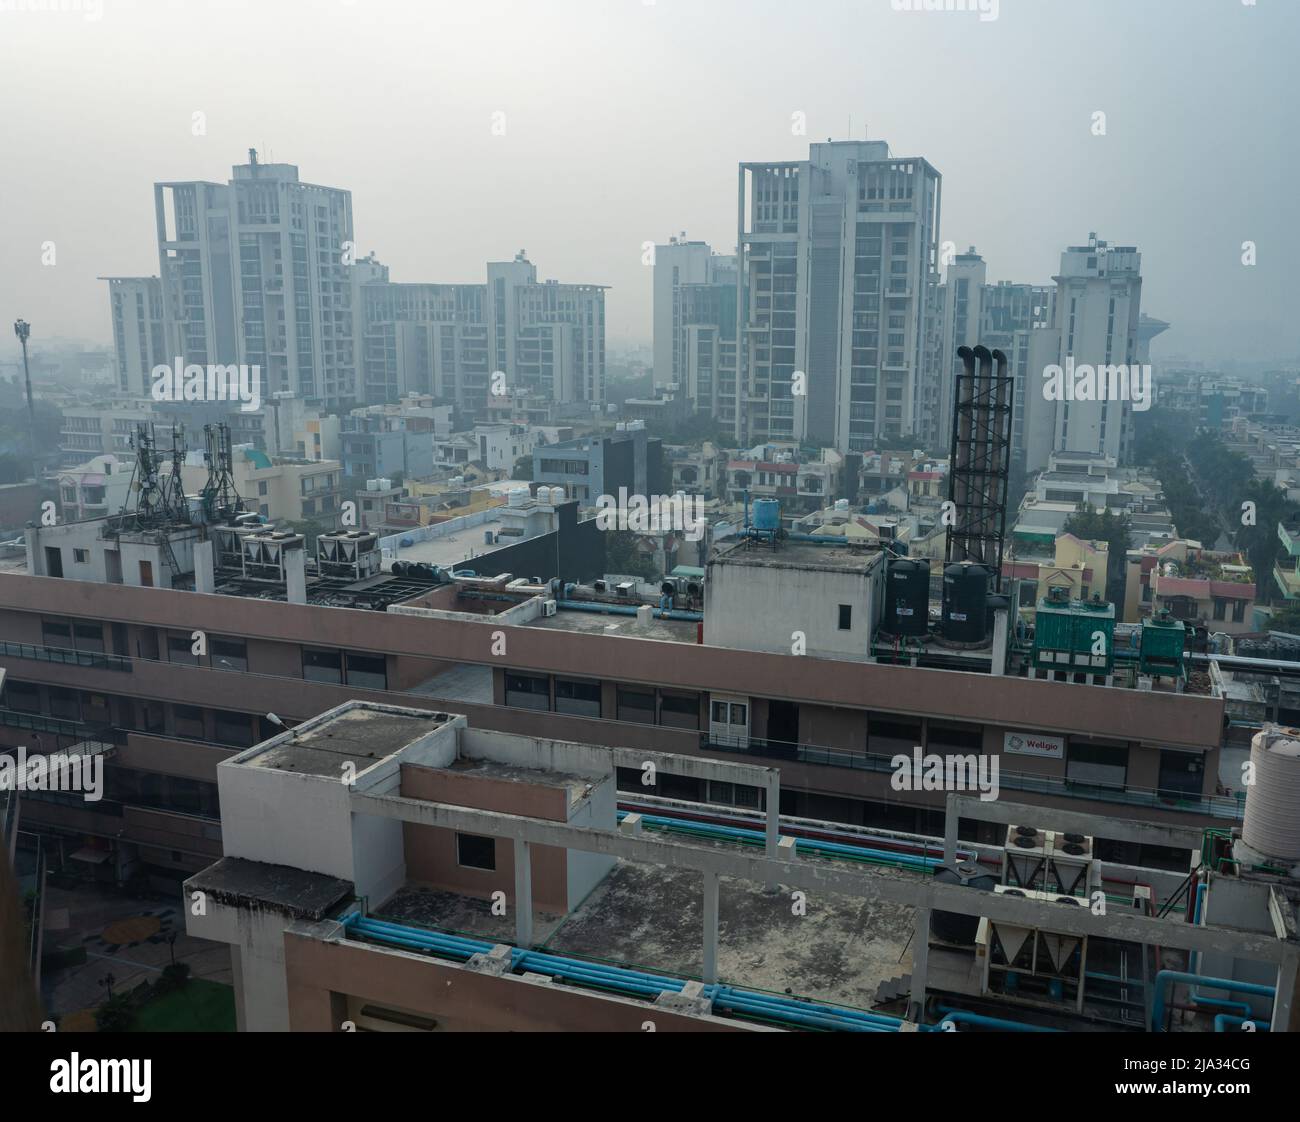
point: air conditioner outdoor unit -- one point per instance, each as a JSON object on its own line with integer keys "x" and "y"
{"x": 548, "y": 607}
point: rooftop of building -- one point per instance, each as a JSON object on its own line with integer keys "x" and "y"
{"x": 650, "y": 916}
{"x": 360, "y": 734}
{"x": 797, "y": 555}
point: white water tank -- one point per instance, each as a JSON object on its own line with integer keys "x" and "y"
{"x": 518, "y": 496}
{"x": 1271, "y": 826}
{"x": 557, "y": 495}
{"x": 842, "y": 504}
{"x": 620, "y": 427}
{"x": 372, "y": 484}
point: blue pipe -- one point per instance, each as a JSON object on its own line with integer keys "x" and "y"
{"x": 1167, "y": 976}
{"x": 960, "y": 1016}
{"x": 1240, "y": 1007}
{"x": 754, "y": 1004}
{"x": 804, "y": 845}
{"x": 630, "y": 610}
{"x": 1222, "y": 1021}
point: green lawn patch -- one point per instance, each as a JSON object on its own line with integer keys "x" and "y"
{"x": 198, "y": 1006}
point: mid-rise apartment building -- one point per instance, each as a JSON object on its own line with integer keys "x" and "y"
{"x": 139, "y": 334}
{"x": 448, "y": 340}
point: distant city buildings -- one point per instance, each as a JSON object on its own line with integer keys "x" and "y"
{"x": 449, "y": 340}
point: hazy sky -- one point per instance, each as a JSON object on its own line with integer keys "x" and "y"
{"x": 625, "y": 120}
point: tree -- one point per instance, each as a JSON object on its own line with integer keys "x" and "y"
{"x": 1113, "y": 529}
{"x": 623, "y": 556}
{"x": 523, "y": 468}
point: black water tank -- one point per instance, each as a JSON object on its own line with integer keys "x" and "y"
{"x": 953, "y": 927}
{"x": 965, "y": 607}
{"x": 907, "y": 597}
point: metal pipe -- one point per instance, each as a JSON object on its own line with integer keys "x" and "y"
{"x": 1166, "y": 976}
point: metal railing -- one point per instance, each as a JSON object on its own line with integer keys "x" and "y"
{"x": 1216, "y": 806}
{"x": 68, "y": 656}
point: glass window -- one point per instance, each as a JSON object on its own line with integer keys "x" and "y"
{"x": 56, "y": 633}
{"x": 370, "y": 672}
{"x": 846, "y": 617}
{"x": 89, "y": 637}
{"x": 679, "y": 710}
{"x": 475, "y": 852}
{"x": 189, "y": 721}
{"x": 234, "y": 728}
{"x": 739, "y": 714}
{"x": 580, "y": 697}
{"x": 322, "y": 666}
{"x": 1097, "y": 764}
{"x": 636, "y": 705}
{"x": 229, "y": 654}
{"x": 181, "y": 649}
{"x": 528, "y": 691}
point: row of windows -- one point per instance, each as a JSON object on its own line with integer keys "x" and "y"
{"x": 582, "y": 697}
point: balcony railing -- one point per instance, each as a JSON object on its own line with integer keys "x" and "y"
{"x": 66, "y": 655}
{"x": 1216, "y": 806}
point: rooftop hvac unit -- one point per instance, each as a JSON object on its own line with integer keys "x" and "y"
{"x": 1069, "y": 859}
{"x": 626, "y": 588}
{"x": 1031, "y": 961}
{"x": 351, "y": 554}
{"x": 600, "y": 586}
{"x": 548, "y": 607}
{"x": 1024, "y": 857}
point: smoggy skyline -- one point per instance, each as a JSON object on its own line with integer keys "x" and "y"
{"x": 624, "y": 122}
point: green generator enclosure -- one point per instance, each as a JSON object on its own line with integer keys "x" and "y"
{"x": 1069, "y": 633}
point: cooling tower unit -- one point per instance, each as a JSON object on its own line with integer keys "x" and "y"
{"x": 953, "y": 927}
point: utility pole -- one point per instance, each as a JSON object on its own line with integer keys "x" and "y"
{"x": 23, "y": 329}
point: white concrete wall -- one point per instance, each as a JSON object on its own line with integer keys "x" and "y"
{"x": 758, "y": 608}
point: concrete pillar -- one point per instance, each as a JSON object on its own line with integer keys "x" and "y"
{"x": 950, "y": 821}
{"x": 920, "y": 961}
{"x": 710, "y": 928}
{"x": 205, "y": 577}
{"x": 1000, "y": 634}
{"x": 773, "y": 823}
{"x": 295, "y": 568}
{"x": 523, "y": 894}
{"x": 1284, "y": 1014}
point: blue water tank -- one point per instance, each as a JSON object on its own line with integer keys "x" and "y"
{"x": 767, "y": 514}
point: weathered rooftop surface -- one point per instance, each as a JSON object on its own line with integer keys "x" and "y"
{"x": 799, "y": 555}
{"x": 598, "y": 623}
{"x": 361, "y": 736}
{"x": 237, "y": 882}
{"x": 651, "y": 917}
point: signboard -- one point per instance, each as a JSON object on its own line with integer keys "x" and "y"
{"x": 1033, "y": 744}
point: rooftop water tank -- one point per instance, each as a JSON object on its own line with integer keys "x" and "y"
{"x": 965, "y": 612}
{"x": 907, "y": 597}
{"x": 557, "y": 495}
{"x": 842, "y": 504}
{"x": 767, "y": 514}
{"x": 953, "y": 927}
{"x": 1271, "y": 826}
{"x": 518, "y": 496}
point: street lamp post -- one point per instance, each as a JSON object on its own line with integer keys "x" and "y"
{"x": 23, "y": 329}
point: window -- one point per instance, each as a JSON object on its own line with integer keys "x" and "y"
{"x": 23, "y": 697}
{"x": 189, "y": 721}
{"x": 475, "y": 852}
{"x": 81, "y": 556}
{"x": 229, "y": 654}
{"x": 846, "y": 617}
{"x": 1097, "y": 765}
{"x": 679, "y": 710}
{"x": 56, "y": 633}
{"x": 636, "y": 705}
{"x": 581, "y": 698}
{"x": 370, "y": 672}
{"x": 322, "y": 666}
{"x": 181, "y": 650}
{"x": 528, "y": 691}
{"x": 234, "y": 728}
